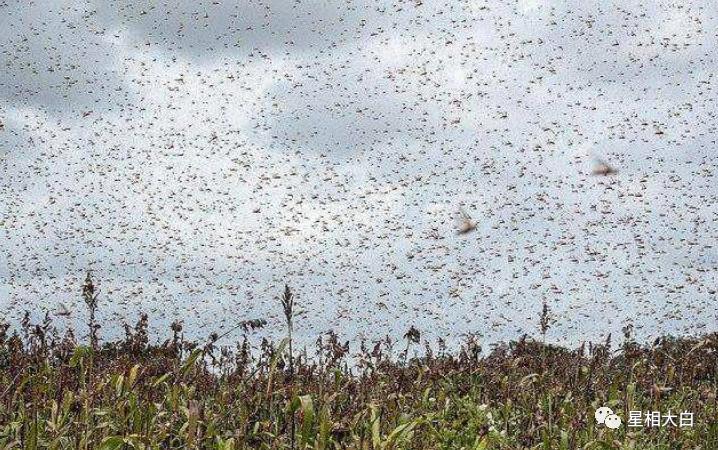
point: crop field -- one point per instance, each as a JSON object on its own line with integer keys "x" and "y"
{"x": 59, "y": 393}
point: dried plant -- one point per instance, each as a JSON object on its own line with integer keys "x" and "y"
{"x": 287, "y": 300}
{"x": 203, "y": 395}
{"x": 545, "y": 320}
{"x": 412, "y": 336}
{"x": 89, "y": 296}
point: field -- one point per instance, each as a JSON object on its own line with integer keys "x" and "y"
{"x": 57, "y": 393}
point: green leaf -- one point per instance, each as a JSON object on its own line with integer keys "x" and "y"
{"x": 119, "y": 384}
{"x": 273, "y": 364}
{"x": 112, "y": 443}
{"x": 325, "y": 428}
{"x": 189, "y": 364}
{"x": 399, "y": 434}
{"x": 375, "y": 426}
{"x": 133, "y": 376}
{"x": 483, "y": 444}
{"x": 78, "y": 355}
{"x": 564, "y": 440}
{"x": 226, "y": 445}
{"x": 307, "y": 406}
{"x": 161, "y": 380}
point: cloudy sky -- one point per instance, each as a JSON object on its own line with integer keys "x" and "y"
{"x": 197, "y": 155}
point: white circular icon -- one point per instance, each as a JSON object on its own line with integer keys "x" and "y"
{"x": 613, "y": 421}
{"x": 602, "y": 413}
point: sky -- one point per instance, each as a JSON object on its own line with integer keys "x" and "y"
{"x": 197, "y": 156}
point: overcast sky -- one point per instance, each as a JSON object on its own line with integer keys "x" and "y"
{"x": 197, "y": 155}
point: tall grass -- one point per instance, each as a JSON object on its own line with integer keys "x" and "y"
{"x": 57, "y": 393}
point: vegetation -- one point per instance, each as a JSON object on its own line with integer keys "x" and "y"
{"x": 59, "y": 394}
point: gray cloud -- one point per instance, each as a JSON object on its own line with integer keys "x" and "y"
{"x": 58, "y": 57}
{"x": 531, "y": 65}
{"x": 207, "y": 29}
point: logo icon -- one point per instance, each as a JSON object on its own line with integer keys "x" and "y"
{"x": 604, "y": 415}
